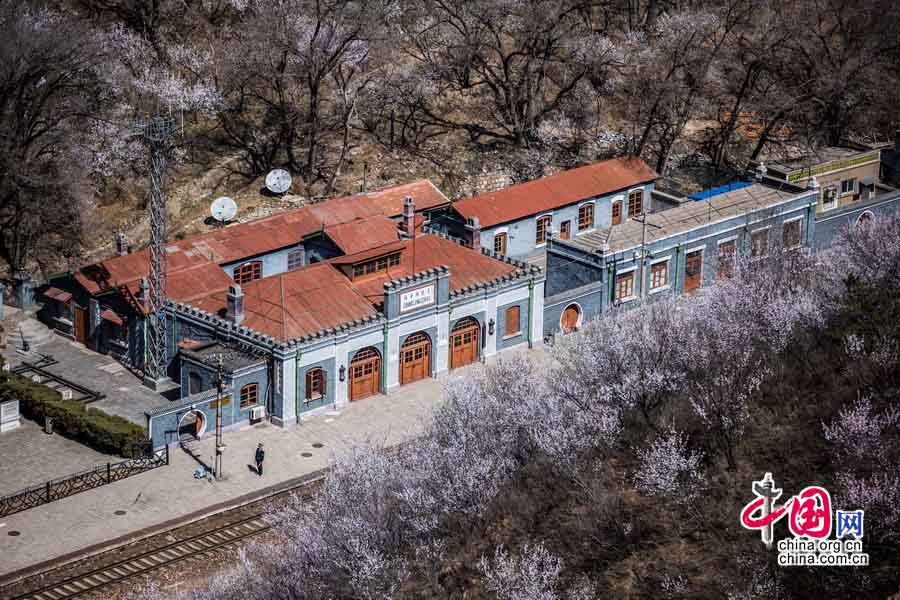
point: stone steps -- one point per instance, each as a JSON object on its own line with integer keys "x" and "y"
{"x": 30, "y": 330}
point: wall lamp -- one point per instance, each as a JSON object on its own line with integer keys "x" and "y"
{"x": 491, "y": 327}
{"x": 342, "y": 373}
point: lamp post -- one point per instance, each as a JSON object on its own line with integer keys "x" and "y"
{"x": 220, "y": 447}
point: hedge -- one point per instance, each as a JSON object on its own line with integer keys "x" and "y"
{"x": 92, "y": 427}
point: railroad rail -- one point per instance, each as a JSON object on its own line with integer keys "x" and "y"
{"x": 189, "y": 548}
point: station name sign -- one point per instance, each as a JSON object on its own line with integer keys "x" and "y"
{"x": 417, "y": 298}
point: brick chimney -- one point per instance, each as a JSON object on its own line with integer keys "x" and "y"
{"x": 235, "y": 304}
{"x": 409, "y": 216}
{"x": 475, "y": 226}
{"x": 121, "y": 244}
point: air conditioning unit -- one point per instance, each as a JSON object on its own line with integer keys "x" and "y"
{"x": 66, "y": 394}
{"x": 257, "y": 413}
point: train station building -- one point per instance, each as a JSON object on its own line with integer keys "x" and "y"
{"x": 307, "y": 310}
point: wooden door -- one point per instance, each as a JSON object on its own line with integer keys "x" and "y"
{"x": 415, "y": 358}
{"x": 617, "y": 212}
{"x": 569, "y": 320}
{"x": 365, "y": 373}
{"x": 81, "y": 325}
{"x": 693, "y": 271}
{"x": 564, "y": 228}
{"x": 464, "y": 343}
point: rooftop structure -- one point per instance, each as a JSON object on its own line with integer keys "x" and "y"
{"x": 555, "y": 191}
{"x": 725, "y": 206}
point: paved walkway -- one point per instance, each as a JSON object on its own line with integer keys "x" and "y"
{"x": 30, "y": 457}
{"x": 126, "y": 396}
{"x": 167, "y": 493}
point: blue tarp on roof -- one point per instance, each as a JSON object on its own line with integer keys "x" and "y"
{"x": 706, "y": 194}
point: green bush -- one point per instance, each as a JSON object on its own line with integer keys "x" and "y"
{"x": 92, "y": 427}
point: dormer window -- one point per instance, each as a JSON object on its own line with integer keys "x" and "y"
{"x": 376, "y": 265}
{"x": 248, "y": 272}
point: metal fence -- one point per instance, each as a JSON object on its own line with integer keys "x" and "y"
{"x": 100, "y": 475}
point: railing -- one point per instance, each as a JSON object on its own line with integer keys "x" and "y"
{"x": 100, "y": 475}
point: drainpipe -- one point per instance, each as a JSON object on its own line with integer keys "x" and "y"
{"x": 530, "y": 312}
{"x": 297, "y": 386}
{"x": 676, "y": 269}
{"x": 386, "y": 357}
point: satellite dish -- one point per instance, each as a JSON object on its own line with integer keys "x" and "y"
{"x": 223, "y": 209}
{"x": 278, "y": 181}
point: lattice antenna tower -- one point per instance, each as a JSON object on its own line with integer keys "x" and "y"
{"x": 156, "y": 132}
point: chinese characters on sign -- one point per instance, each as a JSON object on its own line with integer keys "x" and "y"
{"x": 416, "y": 298}
{"x": 810, "y": 522}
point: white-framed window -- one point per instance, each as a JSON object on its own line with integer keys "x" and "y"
{"x": 295, "y": 259}
{"x": 759, "y": 243}
{"x": 636, "y": 202}
{"x": 624, "y": 289}
{"x": 542, "y": 228}
{"x": 586, "y": 216}
{"x": 659, "y": 275}
{"x": 792, "y": 232}
{"x": 848, "y": 186}
{"x": 829, "y": 197}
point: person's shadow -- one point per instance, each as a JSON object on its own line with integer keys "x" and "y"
{"x": 253, "y": 469}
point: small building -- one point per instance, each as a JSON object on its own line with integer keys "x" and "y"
{"x": 516, "y": 221}
{"x": 673, "y": 252}
{"x": 844, "y": 175}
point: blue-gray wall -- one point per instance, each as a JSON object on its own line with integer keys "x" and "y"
{"x": 524, "y": 320}
{"x": 521, "y": 233}
{"x": 829, "y": 223}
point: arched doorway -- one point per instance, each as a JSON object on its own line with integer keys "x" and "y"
{"x": 415, "y": 358}
{"x": 569, "y": 320}
{"x": 191, "y": 426}
{"x": 365, "y": 373}
{"x": 464, "y": 342}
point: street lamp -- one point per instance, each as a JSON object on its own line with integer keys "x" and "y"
{"x": 342, "y": 373}
{"x": 491, "y": 327}
{"x": 220, "y": 389}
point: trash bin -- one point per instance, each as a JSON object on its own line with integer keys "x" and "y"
{"x": 48, "y": 424}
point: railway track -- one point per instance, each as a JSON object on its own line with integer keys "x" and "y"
{"x": 190, "y": 548}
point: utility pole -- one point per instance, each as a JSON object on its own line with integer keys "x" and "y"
{"x": 220, "y": 447}
{"x": 643, "y": 244}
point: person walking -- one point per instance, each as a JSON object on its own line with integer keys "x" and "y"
{"x": 260, "y": 456}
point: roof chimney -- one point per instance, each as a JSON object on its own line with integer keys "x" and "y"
{"x": 475, "y": 225}
{"x": 409, "y": 216}
{"x": 235, "y": 304}
{"x": 121, "y": 244}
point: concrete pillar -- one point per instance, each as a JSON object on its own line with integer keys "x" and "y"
{"x": 288, "y": 395}
{"x": 442, "y": 353}
{"x": 490, "y": 340}
{"x": 392, "y": 359}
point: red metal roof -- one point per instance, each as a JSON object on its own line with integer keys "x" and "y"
{"x": 110, "y": 315}
{"x": 466, "y": 266}
{"x": 244, "y": 240}
{"x": 296, "y": 303}
{"x": 534, "y": 197}
{"x": 363, "y": 234}
{"x": 58, "y": 294}
{"x": 390, "y": 201}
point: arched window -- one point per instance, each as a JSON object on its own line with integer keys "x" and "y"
{"x": 195, "y": 383}
{"x": 500, "y": 244}
{"x": 635, "y": 203}
{"x": 865, "y": 218}
{"x": 248, "y": 272}
{"x": 585, "y": 216}
{"x": 570, "y": 318}
{"x": 541, "y": 229}
{"x": 249, "y": 395}
{"x": 316, "y": 384}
